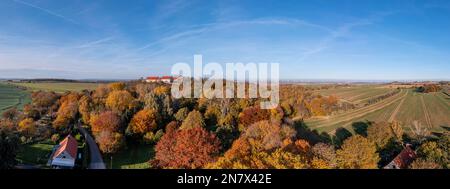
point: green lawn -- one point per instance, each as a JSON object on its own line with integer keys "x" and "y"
{"x": 11, "y": 96}
{"x": 134, "y": 157}
{"x": 59, "y": 87}
{"x": 35, "y": 154}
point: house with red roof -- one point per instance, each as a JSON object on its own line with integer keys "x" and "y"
{"x": 164, "y": 79}
{"x": 65, "y": 153}
{"x": 152, "y": 79}
{"x": 167, "y": 79}
{"x": 402, "y": 160}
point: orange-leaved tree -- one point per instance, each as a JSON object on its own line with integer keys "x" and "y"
{"x": 109, "y": 142}
{"x": 67, "y": 112}
{"x": 265, "y": 145}
{"x": 85, "y": 108}
{"x": 118, "y": 86}
{"x": 105, "y": 121}
{"x": 27, "y": 127}
{"x": 187, "y": 148}
{"x": 143, "y": 122}
{"x": 252, "y": 115}
{"x": 106, "y": 129}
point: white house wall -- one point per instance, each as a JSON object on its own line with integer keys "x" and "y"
{"x": 67, "y": 162}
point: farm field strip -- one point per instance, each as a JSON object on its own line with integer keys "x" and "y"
{"x": 11, "y": 96}
{"x": 377, "y": 116}
{"x": 438, "y": 110}
{"x": 342, "y": 91}
{"x": 333, "y": 120}
{"x": 394, "y": 114}
{"x": 383, "y": 103}
{"x": 383, "y": 114}
{"x": 57, "y": 86}
{"x": 373, "y": 92}
{"x": 425, "y": 111}
{"x": 444, "y": 98}
{"x": 339, "y": 93}
{"x": 372, "y": 95}
{"x": 431, "y": 111}
{"x": 352, "y": 98}
{"x": 412, "y": 110}
{"x": 386, "y": 113}
{"x": 351, "y": 120}
{"x": 356, "y": 95}
{"x": 407, "y": 110}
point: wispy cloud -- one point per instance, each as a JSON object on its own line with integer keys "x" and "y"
{"x": 96, "y": 42}
{"x": 46, "y": 11}
{"x": 342, "y": 31}
{"x": 204, "y": 28}
{"x": 170, "y": 8}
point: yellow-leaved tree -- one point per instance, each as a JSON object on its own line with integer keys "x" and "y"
{"x": 357, "y": 152}
{"x": 143, "y": 122}
{"x": 120, "y": 101}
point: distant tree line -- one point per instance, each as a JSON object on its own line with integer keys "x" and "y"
{"x": 431, "y": 88}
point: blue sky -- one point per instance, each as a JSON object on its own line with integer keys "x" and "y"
{"x": 321, "y": 39}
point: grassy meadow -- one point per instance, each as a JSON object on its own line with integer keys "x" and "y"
{"x": 356, "y": 94}
{"x": 34, "y": 154}
{"x": 134, "y": 157}
{"x": 11, "y": 96}
{"x": 59, "y": 87}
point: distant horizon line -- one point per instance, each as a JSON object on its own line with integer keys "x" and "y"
{"x": 281, "y": 80}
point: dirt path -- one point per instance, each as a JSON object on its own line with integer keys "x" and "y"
{"x": 360, "y": 112}
{"x": 394, "y": 114}
{"x": 427, "y": 115}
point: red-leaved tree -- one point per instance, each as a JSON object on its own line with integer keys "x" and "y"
{"x": 105, "y": 121}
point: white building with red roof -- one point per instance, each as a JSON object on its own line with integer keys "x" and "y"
{"x": 65, "y": 153}
{"x": 167, "y": 79}
{"x": 152, "y": 79}
{"x": 164, "y": 79}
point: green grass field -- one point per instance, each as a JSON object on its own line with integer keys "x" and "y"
{"x": 34, "y": 154}
{"x": 11, "y": 96}
{"x": 431, "y": 110}
{"x": 57, "y": 87}
{"x": 134, "y": 157}
{"x": 356, "y": 94}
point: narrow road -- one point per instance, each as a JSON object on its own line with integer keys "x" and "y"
{"x": 96, "y": 160}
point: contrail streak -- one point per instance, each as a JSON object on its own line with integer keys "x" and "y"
{"x": 46, "y": 11}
